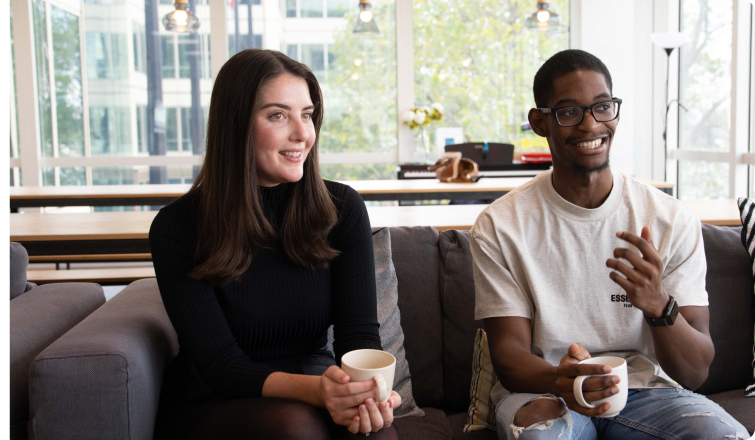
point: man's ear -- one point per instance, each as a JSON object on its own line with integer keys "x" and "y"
{"x": 537, "y": 122}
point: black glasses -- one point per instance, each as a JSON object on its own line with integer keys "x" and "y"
{"x": 572, "y": 115}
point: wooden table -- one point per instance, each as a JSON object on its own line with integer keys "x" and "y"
{"x": 370, "y": 190}
{"x": 102, "y": 233}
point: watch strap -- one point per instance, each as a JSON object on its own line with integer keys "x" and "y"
{"x": 669, "y": 315}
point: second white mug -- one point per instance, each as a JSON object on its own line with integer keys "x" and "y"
{"x": 619, "y": 400}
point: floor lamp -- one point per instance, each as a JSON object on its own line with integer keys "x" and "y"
{"x": 668, "y": 42}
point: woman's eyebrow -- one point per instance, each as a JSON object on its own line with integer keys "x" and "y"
{"x": 284, "y": 106}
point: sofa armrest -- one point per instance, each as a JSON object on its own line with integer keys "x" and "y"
{"x": 102, "y": 379}
{"x": 37, "y": 319}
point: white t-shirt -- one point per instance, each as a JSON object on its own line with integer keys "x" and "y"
{"x": 541, "y": 257}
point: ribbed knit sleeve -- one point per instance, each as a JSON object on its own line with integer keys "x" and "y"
{"x": 354, "y": 303}
{"x": 203, "y": 332}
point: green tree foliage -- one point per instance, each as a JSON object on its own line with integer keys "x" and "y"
{"x": 477, "y": 59}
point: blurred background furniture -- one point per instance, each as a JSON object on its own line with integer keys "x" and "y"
{"x": 38, "y": 316}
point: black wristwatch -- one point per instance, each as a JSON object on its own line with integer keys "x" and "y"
{"x": 669, "y": 315}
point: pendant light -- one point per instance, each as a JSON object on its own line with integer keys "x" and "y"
{"x": 181, "y": 19}
{"x": 543, "y": 19}
{"x": 365, "y": 24}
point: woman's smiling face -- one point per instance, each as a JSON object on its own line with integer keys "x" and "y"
{"x": 284, "y": 131}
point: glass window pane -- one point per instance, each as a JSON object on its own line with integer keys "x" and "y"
{"x": 185, "y": 129}
{"x": 168, "y": 54}
{"x": 73, "y": 176}
{"x": 290, "y": 8}
{"x": 311, "y": 8}
{"x": 703, "y": 180}
{"x": 68, "y": 89}
{"x": 377, "y": 171}
{"x": 110, "y": 131}
{"x": 44, "y": 92}
{"x": 337, "y": 8}
{"x": 117, "y": 176}
{"x": 480, "y": 66}
{"x": 705, "y": 75}
{"x": 171, "y": 129}
{"x": 140, "y": 49}
{"x": 292, "y": 50}
{"x": 313, "y": 55}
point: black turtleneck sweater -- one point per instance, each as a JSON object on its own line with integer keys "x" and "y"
{"x": 231, "y": 333}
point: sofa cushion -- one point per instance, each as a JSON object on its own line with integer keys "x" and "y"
{"x": 481, "y": 413}
{"x": 459, "y": 325}
{"x": 19, "y": 260}
{"x": 730, "y": 295}
{"x": 747, "y": 212}
{"x": 415, "y": 257}
{"x": 389, "y": 317}
{"x": 37, "y": 319}
{"x": 102, "y": 379}
{"x": 738, "y": 406}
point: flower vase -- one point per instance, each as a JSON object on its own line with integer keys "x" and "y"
{"x": 424, "y": 143}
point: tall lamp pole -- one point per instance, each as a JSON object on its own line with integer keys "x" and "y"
{"x": 668, "y": 42}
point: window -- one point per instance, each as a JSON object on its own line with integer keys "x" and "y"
{"x": 311, "y": 8}
{"x": 290, "y": 8}
{"x": 712, "y": 122}
{"x": 168, "y": 56}
{"x": 479, "y": 65}
{"x": 338, "y": 8}
{"x": 171, "y": 129}
{"x": 110, "y": 131}
{"x": 140, "y": 49}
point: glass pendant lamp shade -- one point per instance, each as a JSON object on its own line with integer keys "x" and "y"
{"x": 365, "y": 24}
{"x": 181, "y": 19}
{"x": 543, "y": 19}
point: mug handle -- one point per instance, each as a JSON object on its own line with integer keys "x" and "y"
{"x": 578, "y": 392}
{"x": 383, "y": 394}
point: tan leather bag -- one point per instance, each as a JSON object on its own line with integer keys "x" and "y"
{"x": 451, "y": 168}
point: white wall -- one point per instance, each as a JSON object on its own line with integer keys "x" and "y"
{"x": 627, "y": 52}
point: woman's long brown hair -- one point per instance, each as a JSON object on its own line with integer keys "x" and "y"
{"x": 231, "y": 226}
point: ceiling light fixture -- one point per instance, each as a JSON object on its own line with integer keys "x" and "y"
{"x": 181, "y": 19}
{"x": 365, "y": 24}
{"x": 543, "y": 19}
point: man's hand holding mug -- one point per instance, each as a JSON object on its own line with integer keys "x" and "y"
{"x": 600, "y": 382}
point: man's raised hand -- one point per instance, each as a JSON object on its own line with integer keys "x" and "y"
{"x": 643, "y": 278}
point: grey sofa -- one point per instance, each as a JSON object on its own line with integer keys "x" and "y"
{"x": 102, "y": 379}
{"x": 38, "y": 316}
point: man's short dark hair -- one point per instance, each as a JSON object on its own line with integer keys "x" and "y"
{"x": 564, "y": 63}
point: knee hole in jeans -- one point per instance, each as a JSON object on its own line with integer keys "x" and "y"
{"x": 539, "y": 410}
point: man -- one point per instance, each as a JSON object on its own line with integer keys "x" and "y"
{"x": 582, "y": 262}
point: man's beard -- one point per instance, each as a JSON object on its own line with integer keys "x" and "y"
{"x": 581, "y": 169}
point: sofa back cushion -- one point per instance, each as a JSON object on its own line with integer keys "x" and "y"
{"x": 459, "y": 325}
{"x": 730, "y": 293}
{"x": 19, "y": 260}
{"x": 415, "y": 257}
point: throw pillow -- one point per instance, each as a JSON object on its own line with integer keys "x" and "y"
{"x": 389, "y": 317}
{"x": 747, "y": 211}
{"x": 481, "y": 414}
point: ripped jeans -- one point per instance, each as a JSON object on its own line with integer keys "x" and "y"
{"x": 665, "y": 413}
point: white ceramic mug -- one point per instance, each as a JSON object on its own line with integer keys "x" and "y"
{"x": 374, "y": 365}
{"x": 619, "y": 400}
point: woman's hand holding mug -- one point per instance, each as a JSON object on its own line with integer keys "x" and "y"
{"x": 377, "y": 367}
{"x": 342, "y": 397}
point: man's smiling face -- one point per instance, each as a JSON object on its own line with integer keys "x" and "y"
{"x": 583, "y": 148}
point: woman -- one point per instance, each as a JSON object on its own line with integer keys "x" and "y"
{"x": 255, "y": 263}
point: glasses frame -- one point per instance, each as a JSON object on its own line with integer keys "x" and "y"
{"x": 584, "y": 108}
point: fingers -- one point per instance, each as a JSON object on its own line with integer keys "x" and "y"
{"x": 364, "y": 425}
{"x": 629, "y": 272}
{"x": 336, "y": 374}
{"x": 376, "y": 418}
{"x": 386, "y": 412}
{"x": 590, "y": 412}
{"x": 578, "y": 352}
{"x": 395, "y": 400}
{"x": 354, "y": 426}
{"x": 649, "y": 253}
{"x": 352, "y": 388}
